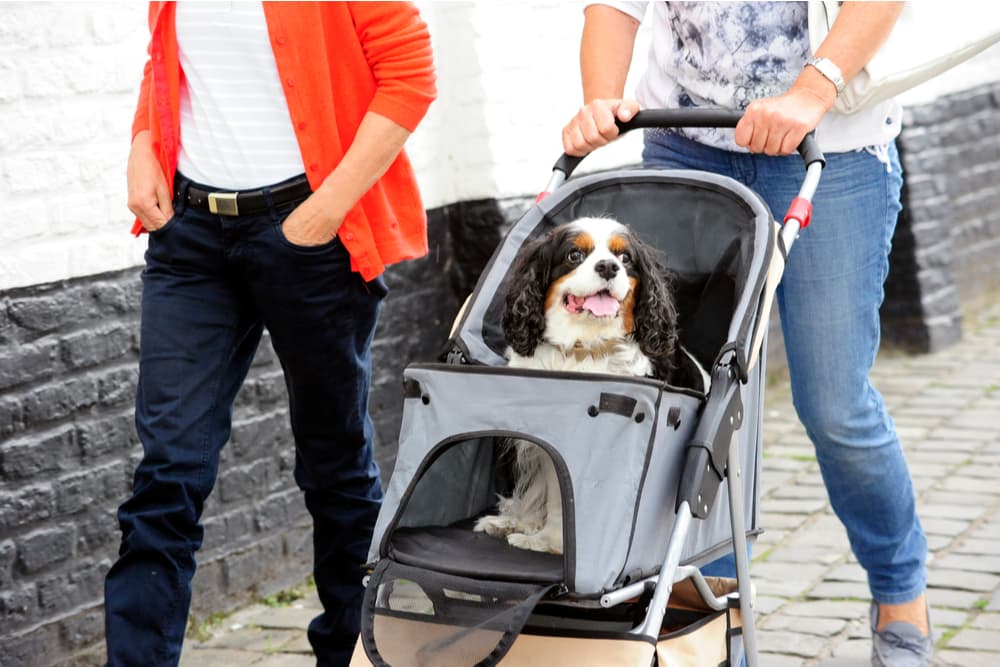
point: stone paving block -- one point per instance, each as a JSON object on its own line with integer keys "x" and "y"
{"x": 821, "y": 627}
{"x": 846, "y": 609}
{"x": 988, "y": 530}
{"x": 948, "y": 618}
{"x": 959, "y": 448}
{"x": 251, "y": 638}
{"x": 781, "y": 580}
{"x": 295, "y": 617}
{"x": 950, "y": 598}
{"x": 768, "y": 604}
{"x": 773, "y": 520}
{"x": 212, "y": 657}
{"x": 847, "y": 572}
{"x": 768, "y": 539}
{"x": 961, "y": 580}
{"x": 840, "y": 590}
{"x": 778, "y": 660}
{"x": 969, "y": 563}
{"x": 286, "y": 660}
{"x": 987, "y": 622}
{"x": 796, "y": 555}
{"x": 956, "y": 498}
{"x": 790, "y": 643}
{"x": 938, "y": 542}
{"x": 976, "y": 640}
{"x": 800, "y": 492}
{"x": 943, "y": 511}
{"x": 298, "y": 645}
{"x": 977, "y": 546}
{"x": 929, "y": 452}
{"x": 775, "y": 464}
{"x": 827, "y": 531}
{"x": 953, "y": 658}
{"x": 853, "y": 653}
{"x": 947, "y": 527}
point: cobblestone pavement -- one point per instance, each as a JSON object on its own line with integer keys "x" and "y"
{"x": 812, "y": 597}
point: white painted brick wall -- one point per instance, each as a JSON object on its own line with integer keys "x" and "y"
{"x": 69, "y": 75}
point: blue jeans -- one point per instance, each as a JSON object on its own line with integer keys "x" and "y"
{"x": 210, "y": 285}
{"x": 829, "y": 302}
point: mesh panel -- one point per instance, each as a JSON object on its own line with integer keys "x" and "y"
{"x": 415, "y": 617}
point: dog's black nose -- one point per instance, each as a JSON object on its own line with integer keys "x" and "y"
{"x": 606, "y": 268}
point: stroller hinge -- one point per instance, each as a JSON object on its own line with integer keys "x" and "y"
{"x": 456, "y": 356}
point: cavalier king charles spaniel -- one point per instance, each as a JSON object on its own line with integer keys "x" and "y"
{"x": 587, "y": 296}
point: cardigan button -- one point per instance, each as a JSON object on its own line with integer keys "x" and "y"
{"x": 348, "y": 236}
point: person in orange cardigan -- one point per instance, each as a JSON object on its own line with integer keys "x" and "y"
{"x": 267, "y": 168}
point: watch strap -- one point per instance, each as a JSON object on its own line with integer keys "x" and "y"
{"x": 829, "y": 69}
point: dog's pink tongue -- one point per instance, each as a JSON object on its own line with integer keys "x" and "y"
{"x": 601, "y": 305}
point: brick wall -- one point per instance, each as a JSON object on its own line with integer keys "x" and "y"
{"x": 948, "y": 238}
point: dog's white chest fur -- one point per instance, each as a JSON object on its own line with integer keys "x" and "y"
{"x": 617, "y": 358}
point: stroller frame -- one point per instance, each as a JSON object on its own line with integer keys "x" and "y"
{"x": 709, "y": 454}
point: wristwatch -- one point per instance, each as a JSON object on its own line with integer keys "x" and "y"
{"x": 830, "y": 70}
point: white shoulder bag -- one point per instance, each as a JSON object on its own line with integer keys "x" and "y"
{"x": 931, "y": 36}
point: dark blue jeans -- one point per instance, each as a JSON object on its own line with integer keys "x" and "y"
{"x": 210, "y": 285}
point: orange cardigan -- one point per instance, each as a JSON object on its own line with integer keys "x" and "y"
{"x": 336, "y": 61}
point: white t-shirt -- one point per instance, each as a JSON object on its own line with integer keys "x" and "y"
{"x": 727, "y": 54}
{"x": 236, "y": 131}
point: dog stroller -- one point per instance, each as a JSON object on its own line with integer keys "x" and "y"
{"x": 640, "y": 463}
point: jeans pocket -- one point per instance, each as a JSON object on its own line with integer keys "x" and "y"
{"x": 167, "y": 226}
{"x": 303, "y": 249}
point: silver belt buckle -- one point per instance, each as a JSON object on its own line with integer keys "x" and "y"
{"x": 223, "y": 203}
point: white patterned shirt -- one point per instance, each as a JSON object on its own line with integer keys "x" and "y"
{"x": 727, "y": 54}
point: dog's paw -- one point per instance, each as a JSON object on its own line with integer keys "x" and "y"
{"x": 495, "y": 525}
{"x": 542, "y": 541}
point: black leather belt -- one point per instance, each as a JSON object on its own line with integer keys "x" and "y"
{"x": 245, "y": 202}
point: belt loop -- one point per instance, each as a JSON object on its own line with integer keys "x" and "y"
{"x": 181, "y": 184}
{"x": 271, "y": 208}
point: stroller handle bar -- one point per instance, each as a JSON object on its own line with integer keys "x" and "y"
{"x": 664, "y": 118}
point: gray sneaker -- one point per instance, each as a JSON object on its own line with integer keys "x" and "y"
{"x": 900, "y": 644}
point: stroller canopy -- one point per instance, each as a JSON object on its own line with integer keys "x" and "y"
{"x": 715, "y": 235}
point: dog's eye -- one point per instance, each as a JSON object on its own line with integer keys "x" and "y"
{"x": 626, "y": 258}
{"x": 575, "y": 256}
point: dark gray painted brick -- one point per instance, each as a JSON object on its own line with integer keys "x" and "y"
{"x": 45, "y": 547}
{"x": 40, "y": 646}
{"x": 26, "y": 505}
{"x": 11, "y": 416}
{"x": 84, "y": 584}
{"x": 8, "y": 552}
{"x": 18, "y": 606}
{"x": 60, "y": 399}
{"x": 32, "y": 362}
{"x": 92, "y": 347}
{"x": 47, "y": 452}
{"x": 117, "y": 387}
{"x": 98, "y": 534}
{"x": 111, "y": 433}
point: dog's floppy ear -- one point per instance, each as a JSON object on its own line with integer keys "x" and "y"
{"x": 524, "y": 308}
{"x": 655, "y": 310}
